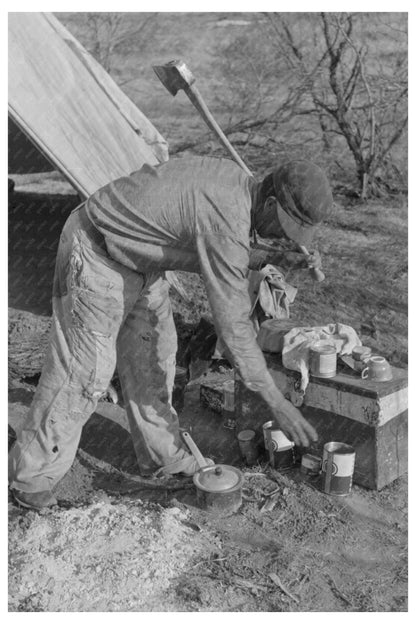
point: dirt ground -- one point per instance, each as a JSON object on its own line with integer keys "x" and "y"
{"x": 117, "y": 542}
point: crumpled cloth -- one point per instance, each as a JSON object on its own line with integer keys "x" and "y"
{"x": 297, "y": 344}
{"x": 269, "y": 289}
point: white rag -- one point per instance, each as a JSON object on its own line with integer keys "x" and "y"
{"x": 269, "y": 290}
{"x": 297, "y": 343}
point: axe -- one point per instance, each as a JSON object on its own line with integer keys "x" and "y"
{"x": 175, "y": 75}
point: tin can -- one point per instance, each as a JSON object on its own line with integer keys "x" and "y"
{"x": 323, "y": 360}
{"x": 361, "y": 353}
{"x": 337, "y": 468}
{"x": 310, "y": 464}
{"x": 360, "y": 356}
{"x": 228, "y": 401}
{"x": 228, "y": 406}
{"x": 280, "y": 449}
{"x": 248, "y": 447}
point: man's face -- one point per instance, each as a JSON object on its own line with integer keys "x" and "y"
{"x": 269, "y": 226}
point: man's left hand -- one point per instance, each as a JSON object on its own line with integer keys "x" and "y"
{"x": 314, "y": 260}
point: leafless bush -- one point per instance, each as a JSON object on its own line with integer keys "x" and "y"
{"x": 109, "y": 33}
{"x": 341, "y": 76}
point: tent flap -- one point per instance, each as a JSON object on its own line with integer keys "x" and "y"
{"x": 67, "y": 104}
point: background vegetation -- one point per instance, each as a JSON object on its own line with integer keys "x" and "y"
{"x": 331, "y": 85}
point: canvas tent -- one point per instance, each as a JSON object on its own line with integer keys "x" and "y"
{"x": 71, "y": 109}
{"x": 79, "y": 119}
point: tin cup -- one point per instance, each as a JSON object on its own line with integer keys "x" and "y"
{"x": 279, "y": 447}
{"x": 323, "y": 360}
{"x": 337, "y": 468}
{"x": 248, "y": 447}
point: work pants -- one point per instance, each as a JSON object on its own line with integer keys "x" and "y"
{"x": 103, "y": 314}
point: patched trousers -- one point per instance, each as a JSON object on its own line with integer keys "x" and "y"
{"x": 103, "y": 314}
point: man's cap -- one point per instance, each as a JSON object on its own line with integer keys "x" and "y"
{"x": 304, "y": 199}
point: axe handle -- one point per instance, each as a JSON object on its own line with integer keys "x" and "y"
{"x": 194, "y": 95}
{"x": 196, "y": 98}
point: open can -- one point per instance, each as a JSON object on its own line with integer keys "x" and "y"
{"x": 279, "y": 448}
{"x": 310, "y": 464}
{"x": 337, "y": 468}
{"x": 323, "y": 360}
{"x": 248, "y": 446}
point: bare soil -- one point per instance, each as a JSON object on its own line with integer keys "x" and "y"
{"x": 118, "y": 542}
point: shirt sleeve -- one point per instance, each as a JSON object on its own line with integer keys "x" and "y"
{"x": 224, "y": 267}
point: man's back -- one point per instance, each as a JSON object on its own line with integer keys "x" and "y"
{"x": 151, "y": 219}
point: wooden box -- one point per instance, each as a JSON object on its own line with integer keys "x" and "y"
{"x": 370, "y": 416}
{"x": 211, "y": 391}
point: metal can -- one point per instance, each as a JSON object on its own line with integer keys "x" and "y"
{"x": 361, "y": 353}
{"x": 228, "y": 406}
{"x": 248, "y": 447}
{"x": 280, "y": 449}
{"x": 323, "y": 360}
{"x": 360, "y": 356}
{"x": 337, "y": 468}
{"x": 229, "y": 395}
{"x": 310, "y": 464}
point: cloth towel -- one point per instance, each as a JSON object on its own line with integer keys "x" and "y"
{"x": 298, "y": 341}
{"x": 270, "y": 297}
{"x": 269, "y": 289}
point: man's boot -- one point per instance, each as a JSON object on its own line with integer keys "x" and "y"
{"x": 34, "y": 500}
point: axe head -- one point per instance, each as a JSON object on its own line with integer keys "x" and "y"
{"x": 174, "y": 76}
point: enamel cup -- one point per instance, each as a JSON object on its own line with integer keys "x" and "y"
{"x": 377, "y": 369}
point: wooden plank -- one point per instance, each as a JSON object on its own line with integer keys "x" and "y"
{"x": 350, "y": 396}
{"x": 350, "y": 381}
{"x": 391, "y": 450}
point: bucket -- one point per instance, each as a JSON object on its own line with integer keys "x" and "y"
{"x": 279, "y": 447}
{"x": 337, "y": 468}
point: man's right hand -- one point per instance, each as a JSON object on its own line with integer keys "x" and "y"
{"x": 290, "y": 420}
